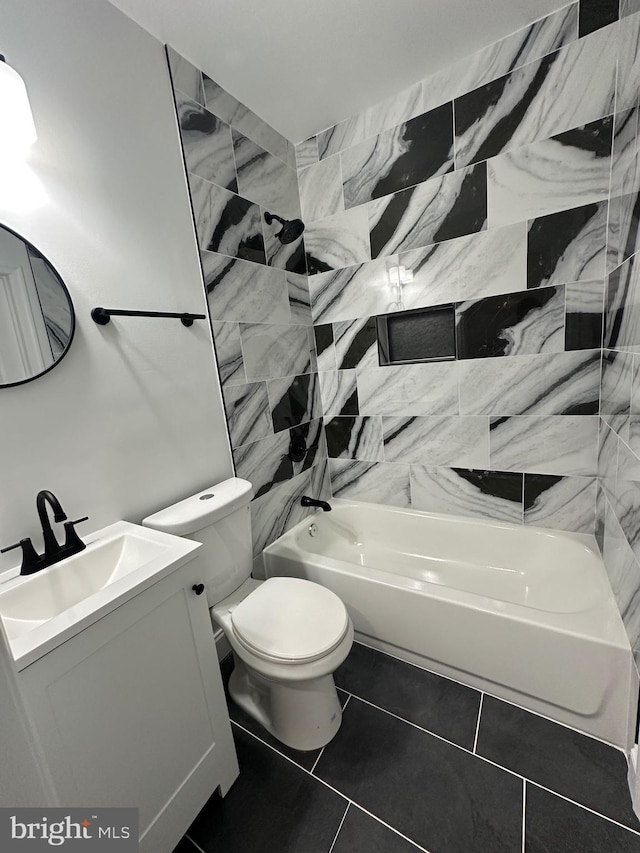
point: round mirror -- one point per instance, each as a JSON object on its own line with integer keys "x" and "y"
{"x": 37, "y": 320}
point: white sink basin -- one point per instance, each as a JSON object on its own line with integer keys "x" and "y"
{"x": 42, "y": 610}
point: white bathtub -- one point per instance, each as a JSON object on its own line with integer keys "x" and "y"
{"x": 524, "y": 613}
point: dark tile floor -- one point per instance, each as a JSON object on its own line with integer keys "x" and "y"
{"x": 421, "y": 763}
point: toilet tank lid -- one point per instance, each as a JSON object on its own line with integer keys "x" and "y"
{"x": 202, "y": 509}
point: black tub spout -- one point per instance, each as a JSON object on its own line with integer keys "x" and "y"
{"x": 323, "y": 505}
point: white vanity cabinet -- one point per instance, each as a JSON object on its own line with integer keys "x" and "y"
{"x": 131, "y": 711}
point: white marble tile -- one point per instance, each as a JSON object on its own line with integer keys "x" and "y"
{"x": 207, "y": 143}
{"x": 247, "y": 408}
{"x": 243, "y": 291}
{"x": 607, "y": 454}
{"x": 271, "y": 351}
{"x": 349, "y": 132}
{"x": 629, "y": 7}
{"x": 559, "y": 444}
{"x": 321, "y": 190}
{"x": 492, "y": 262}
{"x": 616, "y": 390}
{"x": 265, "y": 179}
{"x": 565, "y": 89}
{"x": 356, "y": 291}
{"x": 374, "y": 482}
{"x": 185, "y": 76}
{"x": 241, "y": 118}
{"x": 225, "y": 222}
{"x": 267, "y": 462}
{"x": 551, "y": 384}
{"x": 629, "y": 63}
{"x": 400, "y": 107}
{"x": 339, "y": 241}
{"x": 565, "y": 503}
{"x": 356, "y": 343}
{"x": 565, "y": 171}
{"x": 226, "y": 337}
{"x": 625, "y": 168}
{"x": 278, "y": 511}
{"x": 525, "y": 45}
{"x": 339, "y": 393}
{"x": 478, "y": 494}
{"x": 299, "y": 299}
{"x": 307, "y": 152}
{"x": 411, "y": 389}
{"x": 460, "y": 442}
{"x": 624, "y": 574}
{"x": 622, "y": 310}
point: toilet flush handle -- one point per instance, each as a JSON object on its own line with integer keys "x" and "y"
{"x": 198, "y": 588}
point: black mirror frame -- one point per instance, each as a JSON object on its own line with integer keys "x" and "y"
{"x": 72, "y": 330}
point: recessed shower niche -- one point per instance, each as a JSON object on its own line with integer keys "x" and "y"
{"x": 424, "y": 334}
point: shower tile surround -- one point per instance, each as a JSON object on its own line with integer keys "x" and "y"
{"x": 509, "y": 184}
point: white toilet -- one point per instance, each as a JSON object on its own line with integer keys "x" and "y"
{"x": 288, "y": 635}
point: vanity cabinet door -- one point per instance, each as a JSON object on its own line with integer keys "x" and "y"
{"x": 131, "y": 712}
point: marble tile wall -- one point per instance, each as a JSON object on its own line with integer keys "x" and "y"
{"x": 507, "y": 184}
{"x": 258, "y": 297}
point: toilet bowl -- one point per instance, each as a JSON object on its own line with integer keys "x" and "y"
{"x": 287, "y": 638}
{"x": 287, "y": 635}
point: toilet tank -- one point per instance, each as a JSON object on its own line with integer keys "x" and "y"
{"x": 220, "y": 518}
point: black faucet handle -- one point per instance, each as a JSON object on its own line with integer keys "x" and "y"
{"x": 30, "y": 557}
{"x": 72, "y": 540}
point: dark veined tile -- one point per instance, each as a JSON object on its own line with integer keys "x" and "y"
{"x": 567, "y": 246}
{"x": 361, "y": 833}
{"x": 434, "y": 793}
{"x": 435, "y": 703}
{"x": 595, "y": 14}
{"x": 579, "y": 767}
{"x": 294, "y": 400}
{"x": 350, "y": 437}
{"x": 398, "y": 158}
{"x": 354, "y": 339}
{"x": 437, "y": 210}
{"x": 552, "y": 825}
{"x": 524, "y": 323}
{"x": 584, "y": 315}
{"x": 272, "y": 806}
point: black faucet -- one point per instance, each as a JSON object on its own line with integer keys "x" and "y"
{"x": 53, "y": 550}
{"x": 51, "y": 545}
{"x": 307, "y": 501}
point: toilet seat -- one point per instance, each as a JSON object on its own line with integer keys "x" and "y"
{"x": 290, "y": 621}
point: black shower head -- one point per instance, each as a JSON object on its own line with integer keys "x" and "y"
{"x": 291, "y": 229}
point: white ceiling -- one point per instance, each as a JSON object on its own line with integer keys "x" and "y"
{"x": 304, "y": 65}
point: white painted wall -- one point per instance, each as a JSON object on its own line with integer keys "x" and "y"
{"x": 132, "y": 418}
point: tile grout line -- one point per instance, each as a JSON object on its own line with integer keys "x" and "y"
{"x": 197, "y": 846}
{"x": 480, "y": 757}
{"x": 475, "y": 739}
{"x": 502, "y": 767}
{"x": 524, "y": 811}
{"x": 331, "y": 788}
{"x": 335, "y": 837}
{"x": 491, "y": 695}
